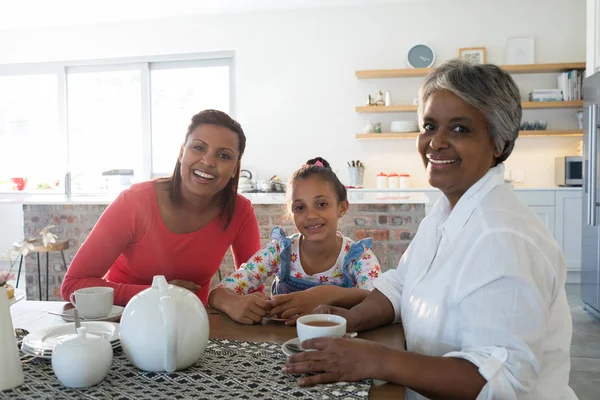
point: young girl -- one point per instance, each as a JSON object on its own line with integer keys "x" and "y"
{"x": 315, "y": 266}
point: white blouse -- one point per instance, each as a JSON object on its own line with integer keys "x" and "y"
{"x": 485, "y": 282}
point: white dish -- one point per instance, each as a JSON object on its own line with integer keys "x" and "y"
{"x": 113, "y": 316}
{"x": 403, "y": 126}
{"x": 288, "y": 351}
{"x": 42, "y": 342}
{"x": 401, "y": 130}
{"x": 19, "y": 295}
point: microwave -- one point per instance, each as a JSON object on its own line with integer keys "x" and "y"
{"x": 569, "y": 171}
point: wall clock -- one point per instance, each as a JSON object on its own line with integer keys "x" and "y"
{"x": 420, "y": 56}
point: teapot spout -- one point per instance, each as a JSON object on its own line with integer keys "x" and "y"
{"x": 160, "y": 282}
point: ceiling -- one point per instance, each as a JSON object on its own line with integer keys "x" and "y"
{"x": 25, "y": 14}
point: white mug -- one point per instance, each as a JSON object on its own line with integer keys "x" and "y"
{"x": 336, "y": 326}
{"x": 93, "y": 302}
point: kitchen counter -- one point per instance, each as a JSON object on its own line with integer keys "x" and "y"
{"x": 355, "y": 196}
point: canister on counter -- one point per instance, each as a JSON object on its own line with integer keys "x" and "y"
{"x": 404, "y": 181}
{"x": 382, "y": 180}
{"x": 393, "y": 181}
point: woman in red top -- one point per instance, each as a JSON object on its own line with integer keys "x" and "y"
{"x": 180, "y": 226}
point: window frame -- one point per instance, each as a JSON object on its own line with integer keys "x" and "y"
{"x": 145, "y": 64}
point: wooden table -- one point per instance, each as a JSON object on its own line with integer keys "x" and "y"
{"x": 33, "y": 315}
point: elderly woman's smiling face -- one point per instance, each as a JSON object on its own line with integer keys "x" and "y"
{"x": 455, "y": 144}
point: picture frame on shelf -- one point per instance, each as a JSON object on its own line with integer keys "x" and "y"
{"x": 520, "y": 50}
{"x": 475, "y": 55}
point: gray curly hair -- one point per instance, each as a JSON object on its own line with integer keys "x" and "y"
{"x": 486, "y": 87}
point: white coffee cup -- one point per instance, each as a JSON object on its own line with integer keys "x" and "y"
{"x": 93, "y": 302}
{"x": 320, "y": 325}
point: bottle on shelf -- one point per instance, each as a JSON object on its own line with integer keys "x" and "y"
{"x": 388, "y": 98}
{"x": 393, "y": 181}
{"x": 382, "y": 180}
{"x": 404, "y": 180}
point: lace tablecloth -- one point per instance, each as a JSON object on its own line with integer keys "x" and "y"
{"x": 229, "y": 369}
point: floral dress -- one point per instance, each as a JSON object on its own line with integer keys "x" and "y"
{"x": 356, "y": 266}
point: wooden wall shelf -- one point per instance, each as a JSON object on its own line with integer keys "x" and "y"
{"x": 527, "y": 105}
{"x": 383, "y": 109}
{"x": 513, "y": 69}
{"x": 413, "y": 135}
{"x": 552, "y": 104}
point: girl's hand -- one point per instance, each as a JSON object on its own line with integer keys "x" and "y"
{"x": 291, "y": 306}
{"x": 248, "y": 309}
{"x": 337, "y": 359}
{"x": 185, "y": 284}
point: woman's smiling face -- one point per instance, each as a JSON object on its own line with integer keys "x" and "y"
{"x": 209, "y": 160}
{"x": 455, "y": 144}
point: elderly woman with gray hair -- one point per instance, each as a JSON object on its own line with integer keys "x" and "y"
{"x": 480, "y": 291}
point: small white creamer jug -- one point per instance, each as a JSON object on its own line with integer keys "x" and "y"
{"x": 164, "y": 328}
{"x": 82, "y": 359}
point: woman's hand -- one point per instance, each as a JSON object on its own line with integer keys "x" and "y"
{"x": 337, "y": 359}
{"x": 248, "y": 309}
{"x": 185, "y": 284}
{"x": 291, "y": 306}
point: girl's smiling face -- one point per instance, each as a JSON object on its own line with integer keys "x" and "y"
{"x": 455, "y": 144}
{"x": 315, "y": 208}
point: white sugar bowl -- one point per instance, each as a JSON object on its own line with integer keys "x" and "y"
{"x": 82, "y": 360}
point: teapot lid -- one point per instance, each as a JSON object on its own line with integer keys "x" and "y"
{"x": 82, "y": 338}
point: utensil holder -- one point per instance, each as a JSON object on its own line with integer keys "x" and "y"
{"x": 356, "y": 176}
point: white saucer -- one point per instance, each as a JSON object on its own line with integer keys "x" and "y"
{"x": 19, "y": 295}
{"x": 113, "y": 316}
{"x": 287, "y": 351}
{"x": 42, "y": 342}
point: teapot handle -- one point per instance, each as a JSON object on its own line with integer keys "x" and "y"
{"x": 168, "y": 308}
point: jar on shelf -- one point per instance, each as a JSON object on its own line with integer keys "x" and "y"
{"x": 382, "y": 181}
{"x": 393, "y": 181}
{"x": 404, "y": 181}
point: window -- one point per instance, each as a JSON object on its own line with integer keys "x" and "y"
{"x": 90, "y": 118}
{"x": 105, "y": 127}
{"x": 30, "y": 141}
{"x": 180, "y": 90}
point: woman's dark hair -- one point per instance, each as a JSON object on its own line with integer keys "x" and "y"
{"x": 229, "y": 193}
{"x": 320, "y": 167}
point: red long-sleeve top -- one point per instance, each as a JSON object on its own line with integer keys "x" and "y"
{"x": 130, "y": 244}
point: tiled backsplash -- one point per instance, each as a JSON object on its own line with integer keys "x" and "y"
{"x": 392, "y": 227}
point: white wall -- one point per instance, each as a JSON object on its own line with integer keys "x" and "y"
{"x": 296, "y": 89}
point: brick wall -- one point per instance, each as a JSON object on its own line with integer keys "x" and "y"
{"x": 392, "y": 227}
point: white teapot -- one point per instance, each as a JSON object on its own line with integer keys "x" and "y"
{"x": 82, "y": 360}
{"x": 164, "y": 328}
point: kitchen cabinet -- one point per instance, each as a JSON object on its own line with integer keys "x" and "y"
{"x": 546, "y": 214}
{"x": 568, "y": 219}
{"x": 541, "y": 202}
